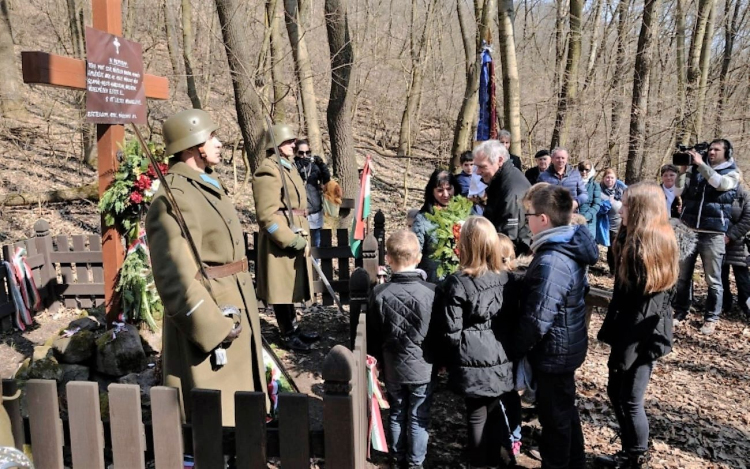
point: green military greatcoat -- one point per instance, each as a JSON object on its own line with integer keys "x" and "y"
{"x": 194, "y": 324}
{"x": 283, "y": 274}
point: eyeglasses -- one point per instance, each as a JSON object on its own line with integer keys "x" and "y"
{"x": 304, "y": 152}
{"x": 585, "y": 170}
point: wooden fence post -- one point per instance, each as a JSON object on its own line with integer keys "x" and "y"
{"x": 339, "y": 410}
{"x": 370, "y": 257}
{"x": 48, "y": 288}
{"x": 379, "y": 231}
{"x": 359, "y": 292}
{"x": 45, "y": 423}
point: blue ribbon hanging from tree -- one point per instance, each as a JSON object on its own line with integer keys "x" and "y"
{"x": 487, "y": 123}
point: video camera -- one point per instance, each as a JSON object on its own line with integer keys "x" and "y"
{"x": 682, "y": 158}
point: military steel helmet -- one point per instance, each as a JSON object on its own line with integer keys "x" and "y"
{"x": 281, "y": 134}
{"x": 187, "y": 129}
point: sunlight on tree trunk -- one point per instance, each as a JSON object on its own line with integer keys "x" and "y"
{"x": 570, "y": 77}
{"x": 187, "y": 52}
{"x": 511, "y": 84}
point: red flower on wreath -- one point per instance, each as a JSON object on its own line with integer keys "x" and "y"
{"x": 136, "y": 197}
{"x": 142, "y": 183}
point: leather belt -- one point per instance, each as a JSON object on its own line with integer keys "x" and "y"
{"x": 295, "y": 211}
{"x": 225, "y": 270}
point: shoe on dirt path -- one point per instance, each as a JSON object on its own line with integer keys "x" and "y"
{"x": 708, "y": 327}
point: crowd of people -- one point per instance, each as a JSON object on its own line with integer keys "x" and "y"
{"x": 498, "y": 328}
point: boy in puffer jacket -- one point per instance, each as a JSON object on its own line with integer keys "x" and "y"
{"x": 552, "y": 328}
{"x": 398, "y": 319}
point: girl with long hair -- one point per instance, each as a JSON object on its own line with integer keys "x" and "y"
{"x": 638, "y": 325}
{"x": 471, "y": 312}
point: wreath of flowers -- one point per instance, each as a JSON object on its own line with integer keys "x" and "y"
{"x": 123, "y": 206}
{"x": 448, "y": 221}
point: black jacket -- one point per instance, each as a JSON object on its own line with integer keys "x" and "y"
{"x": 470, "y": 316}
{"x": 532, "y": 175}
{"x": 739, "y": 226}
{"x": 505, "y": 206}
{"x": 516, "y": 160}
{"x": 638, "y": 326}
{"x": 315, "y": 173}
{"x": 552, "y": 328}
{"x": 398, "y": 319}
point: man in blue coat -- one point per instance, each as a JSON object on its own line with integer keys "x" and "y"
{"x": 560, "y": 173}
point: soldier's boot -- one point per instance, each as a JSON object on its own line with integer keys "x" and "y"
{"x": 293, "y": 342}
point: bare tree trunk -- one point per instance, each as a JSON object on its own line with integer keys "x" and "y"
{"x": 234, "y": 17}
{"x": 703, "y": 84}
{"x": 594, "y": 49}
{"x": 410, "y": 117}
{"x": 187, "y": 52}
{"x": 339, "y": 115}
{"x": 173, "y": 45}
{"x": 275, "y": 56}
{"x": 730, "y": 35}
{"x": 679, "y": 131}
{"x": 130, "y": 13}
{"x": 570, "y": 78}
{"x": 688, "y": 129}
{"x": 559, "y": 43}
{"x": 462, "y": 134}
{"x": 641, "y": 82}
{"x": 297, "y": 13}
{"x": 616, "y": 87}
{"x": 77, "y": 38}
{"x": 15, "y": 199}
{"x": 11, "y": 95}
{"x": 511, "y": 83}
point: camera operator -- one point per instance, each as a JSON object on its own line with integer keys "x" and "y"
{"x": 708, "y": 191}
{"x": 315, "y": 173}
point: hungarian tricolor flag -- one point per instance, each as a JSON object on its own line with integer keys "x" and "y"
{"x": 361, "y": 212}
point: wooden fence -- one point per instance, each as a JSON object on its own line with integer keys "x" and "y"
{"x": 92, "y": 439}
{"x": 69, "y": 270}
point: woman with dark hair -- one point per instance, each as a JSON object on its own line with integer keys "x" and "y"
{"x": 440, "y": 189}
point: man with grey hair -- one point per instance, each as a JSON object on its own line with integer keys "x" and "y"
{"x": 560, "y": 173}
{"x": 504, "y": 137}
{"x": 506, "y": 187}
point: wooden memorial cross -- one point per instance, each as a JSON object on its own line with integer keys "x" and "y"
{"x": 66, "y": 72}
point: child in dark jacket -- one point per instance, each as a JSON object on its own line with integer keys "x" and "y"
{"x": 470, "y": 316}
{"x": 552, "y": 326}
{"x": 398, "y": 319}
{"x": 638, "y": 325}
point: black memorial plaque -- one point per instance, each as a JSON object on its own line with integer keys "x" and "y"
{"x": 115, "y": 93}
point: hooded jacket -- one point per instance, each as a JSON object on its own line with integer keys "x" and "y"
{"x": 590, "y": 208}
{"x": 552, "y": 327}
{"x": 505, "y": 205}
{"x": 708, "y": 195}
{"x": 471, "y": 315}
{"x": 739, "y": 219}
{"x": 398, "y": 319}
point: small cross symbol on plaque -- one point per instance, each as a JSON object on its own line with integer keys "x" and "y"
{"x": 117, "y": 46}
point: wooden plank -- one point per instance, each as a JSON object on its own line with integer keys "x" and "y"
{"x": 206, "y": 423}
{"x": 125, "y": 420}
{"x": 86, "y": 431}
{"x": 66, "y": 268}
{"x": 97, "y": 269}
{"x": 342, "y": 239}
{"x": 76, "y": 257}
{"x": 339, "y": 432}
{"x": 83, "y": 273}
{"x": 66, "y": 72}
{"x": 326, "y": 265}
{"x": 331, "y": 252}
{"x": 4, "y": 297}
{"x": 294, "y": 431}
{"x": 250, "y": 427}
{"x": 45, "y": 424}
{"x": 13, "y": 408}
{"x": 76, "y": 289}
{"x": 167, "y": 427}
{"x": 48, "y": 275}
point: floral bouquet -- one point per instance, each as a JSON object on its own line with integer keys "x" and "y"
{"x": 127, "y": 198}
{"x": 123, "y": 205}
{"x": 448, "y": 222}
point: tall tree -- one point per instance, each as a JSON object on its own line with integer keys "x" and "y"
{"x": 641, "y": 82}
{"x": 297, "y": 14}
{"x": 11, "y": 96}
{"x": 339, "y": 115}
{"x": 275, "y": 56}
{"x": 679, "y": 128}
{"x": 467, "y": 115}
{"x": 418, "y": 52}
{"x": 703, "y": 82}
{"x": 187, "y": 52}
{"x": 560, "y": 13}
{"x": 594, "y": 47}
{"x": 686, "y": 126}
{"x": 511, "y": 83}
{"x": 569, "y": 88}
{"x": 76, "y": 27}
{"x": 616, "y": 87}
{"x": 173, "y": 44}
{"x": 234, "y": 16}
{"x": 731, "y": 23}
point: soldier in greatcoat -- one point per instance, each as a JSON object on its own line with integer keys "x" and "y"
{"x": 283, "y": 269}
{"x": 203, "y": 327}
